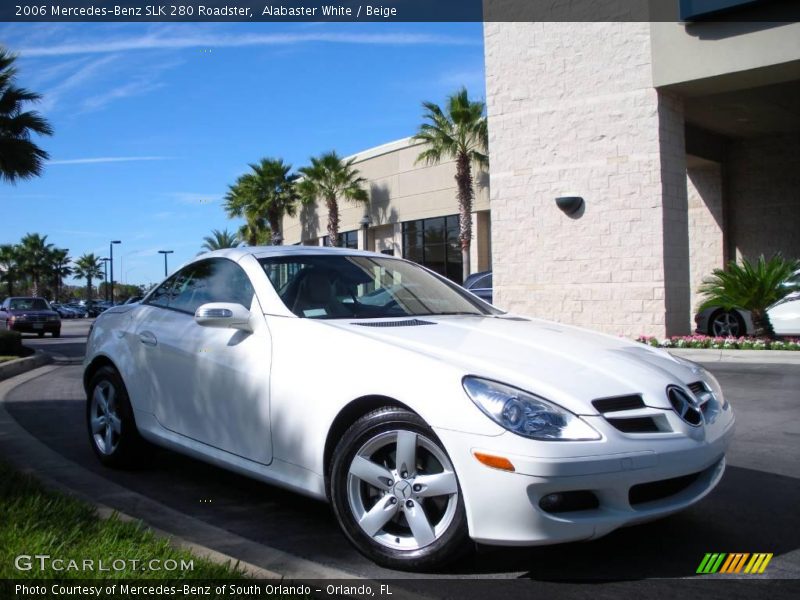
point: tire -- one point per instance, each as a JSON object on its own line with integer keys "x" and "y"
{"x": 369, "y": 447}
{"x": 725, "y": 323}
{"x": 40, "y": 334}
{"x": 127, "y": 448}
{"x": 57, "y": 333}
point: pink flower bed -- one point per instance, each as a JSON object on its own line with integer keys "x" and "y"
{"x": 721, "y": 343}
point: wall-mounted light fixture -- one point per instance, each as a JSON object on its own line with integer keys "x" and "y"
{"x": 569, "y": 205}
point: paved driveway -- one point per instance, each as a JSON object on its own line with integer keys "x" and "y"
{"x": 756, "y": 508}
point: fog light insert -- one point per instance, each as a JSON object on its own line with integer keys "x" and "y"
{"x": 561, "y": 502}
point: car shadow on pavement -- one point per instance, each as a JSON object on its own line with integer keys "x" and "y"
{"x": 750, "y": 511}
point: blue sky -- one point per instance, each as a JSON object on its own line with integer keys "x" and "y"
{"x": 154, "y": 121}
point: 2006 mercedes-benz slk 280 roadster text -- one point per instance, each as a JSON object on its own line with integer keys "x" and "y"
{"x": 423, "y": 414}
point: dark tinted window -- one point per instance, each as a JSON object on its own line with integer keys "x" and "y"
{"x": 212, "y": 280}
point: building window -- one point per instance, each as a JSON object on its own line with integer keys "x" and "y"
{"x": 347, "y": 239}
{"x": 433, "y": 243}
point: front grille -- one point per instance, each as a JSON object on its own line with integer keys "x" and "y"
{"x": 403, "y": 323}
{"x": 635, "y": 425}
{"x": 697, "y": 387}
{"x": 34, "y": 318}
{"x": 658, "y": 490}
{"x": 607, "y": 405}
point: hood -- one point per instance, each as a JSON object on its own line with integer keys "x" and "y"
{"x": 568, "y": 365}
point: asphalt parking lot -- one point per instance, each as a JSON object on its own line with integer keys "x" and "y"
{"x": 756, "y": 508}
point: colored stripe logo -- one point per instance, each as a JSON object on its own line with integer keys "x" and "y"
{"x": 735, "y": 562}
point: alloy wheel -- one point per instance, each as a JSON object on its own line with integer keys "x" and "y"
{"x": 104, "y": 418}
{"x": 725, "y": 324}
{"x": 402, "y": 490}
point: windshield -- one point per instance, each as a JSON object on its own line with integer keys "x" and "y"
{"x": 28, "y": 304}
{"x": 365, "y": 287}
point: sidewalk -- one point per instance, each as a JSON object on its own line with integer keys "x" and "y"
{"x": 783, "y": 357}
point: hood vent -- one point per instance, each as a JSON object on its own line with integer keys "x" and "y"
{"x": 607, "y": 405}
{"x": 403, "y": 323}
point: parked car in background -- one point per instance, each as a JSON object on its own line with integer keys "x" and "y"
{"x": 718, "y": 322}
{"x": 64, "y": 311}
{"x": 133, "y": 299}
{"x": 480, "y": 284}
{"x": 423, "y": 414}
{"x": 28, "y": 314}
{"x": 78, "y": 309}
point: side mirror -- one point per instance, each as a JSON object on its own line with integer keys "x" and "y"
{"x": 224, "y": 315}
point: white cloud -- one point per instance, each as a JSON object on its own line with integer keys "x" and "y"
{"x": 194, "y": 197}
{"x": 106, "y": 159}
{"x": 208, "y": 40}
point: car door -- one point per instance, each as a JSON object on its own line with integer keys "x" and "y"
{"x": 785, "y": 316}
{"x": 208, "y": 384}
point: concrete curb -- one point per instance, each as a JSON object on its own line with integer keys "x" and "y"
{"x": 16, "y": 367}
{"x": 29, "y": 455}
{"x": 784, "y": 357}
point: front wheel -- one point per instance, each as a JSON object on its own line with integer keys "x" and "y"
{"x": 109, "y": 417}
{"x": 395, "y": 492}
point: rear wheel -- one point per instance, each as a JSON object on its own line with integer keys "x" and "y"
{"x": 109, "y": 417}
{"x": 726, "y": 323}
{"x": 395, "y": 492}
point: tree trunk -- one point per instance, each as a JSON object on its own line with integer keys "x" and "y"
{"x": 88, "y": 288}
{"x": 762, "y": 326}
{"x": 465, "y": 195}
{"x": 333, "y": 221}
{"x": 275, "y": 227}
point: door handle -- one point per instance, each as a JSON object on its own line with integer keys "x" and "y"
{"x": 147, "y": 338}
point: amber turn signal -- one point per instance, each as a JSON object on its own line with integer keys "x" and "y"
{"x": 496, "y": 462}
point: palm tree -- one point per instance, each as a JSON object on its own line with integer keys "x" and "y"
{"x": 9, "y": 266}
{"x": 220, "y": 239}
{"x": 753, "y": 287}
{"x": 59, "y": 264}
{"x": 460, "y": 133}
{"x": 263, "y": 197}
{"x": 88, "y": 267}
{"x": 20, "y": 158}
{"x": 34, "y": 257}
{"x": 330, "y": 178}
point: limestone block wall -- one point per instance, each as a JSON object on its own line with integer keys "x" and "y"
{"x": 561, "y": 122}
{"x": 764, "y": 195}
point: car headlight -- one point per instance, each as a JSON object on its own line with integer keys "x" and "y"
{"x": 526, "y": 414}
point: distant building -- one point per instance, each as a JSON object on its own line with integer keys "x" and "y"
{"x": 413, "y": 212}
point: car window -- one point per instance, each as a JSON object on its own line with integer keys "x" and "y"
{"x": 484, "y": 282}
{"x": 160, "y": 296}
{"x": 29, "y": 304}
{"x": 212, "y": 280}
{"x": 340, "y": 286}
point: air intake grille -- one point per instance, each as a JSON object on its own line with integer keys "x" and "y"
{"x": 607, "y": 405}
{"x": 629, "y": 414}
{"x": 635, "y": 425}
{"x": 658, "y": 490}
{"x": 404, "y": 323}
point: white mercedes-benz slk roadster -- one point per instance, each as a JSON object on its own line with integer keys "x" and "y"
{"x": 424, "y": 415}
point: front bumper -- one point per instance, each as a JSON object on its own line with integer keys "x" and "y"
{"x": 34, "y": 327}
{"x": 503, "y": 507}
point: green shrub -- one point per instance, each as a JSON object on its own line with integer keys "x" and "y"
{"x": 10, "y": 343}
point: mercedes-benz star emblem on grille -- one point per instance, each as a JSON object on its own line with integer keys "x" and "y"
{"x": 685, "y": 405}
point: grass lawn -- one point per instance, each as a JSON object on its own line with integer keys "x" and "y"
{"x": 34, "y": 520}
{"x": 7, "y": 358}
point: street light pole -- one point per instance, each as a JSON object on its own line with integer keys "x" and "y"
{"x": 111, "y": 259}
{"x": 105, "y": 275}
{"x": 165, "y": 252}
